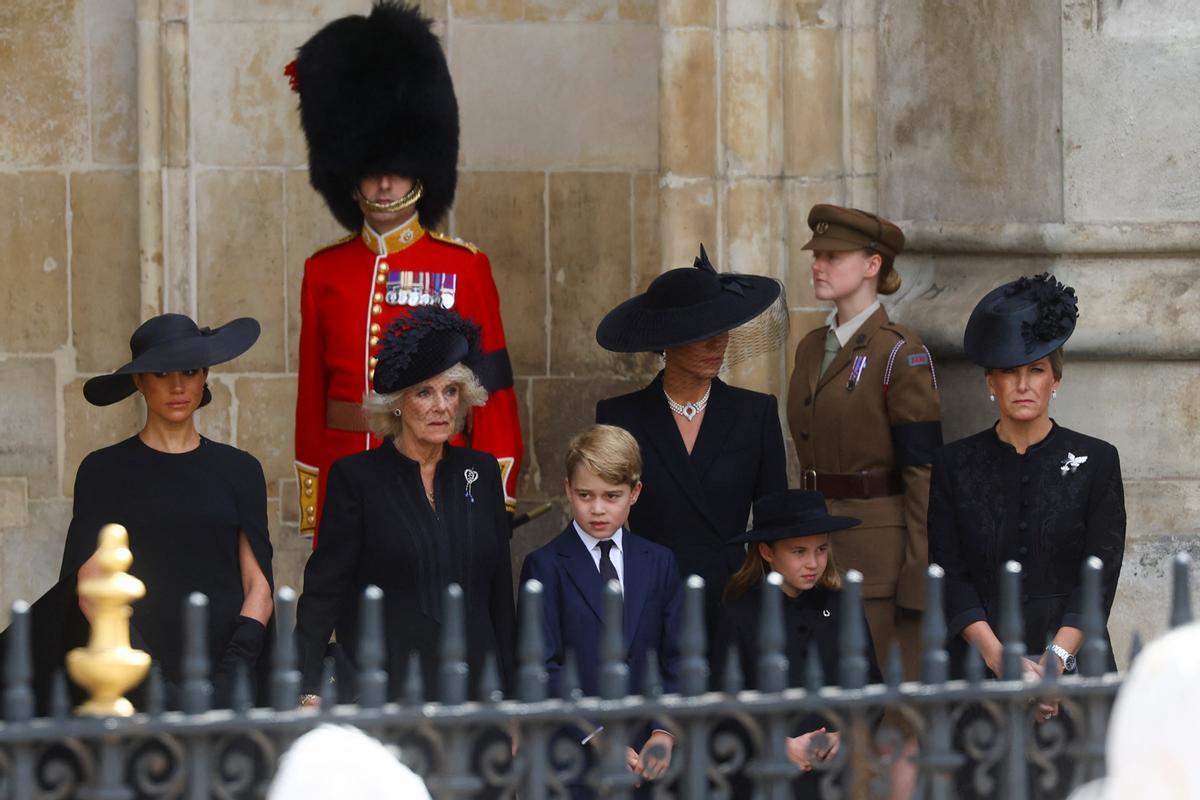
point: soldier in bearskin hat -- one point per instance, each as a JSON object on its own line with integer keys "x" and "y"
{"x": 378, "y": 110}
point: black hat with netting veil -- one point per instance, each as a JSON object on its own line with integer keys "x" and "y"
{"x": 171, "y": 343}
{"x": 1020, "y": 322}
{"x": 426, "y": 342}
{"x": 686, "y": 305}
{"x": 792, "y": 513}
{"x": 376, "y": 98}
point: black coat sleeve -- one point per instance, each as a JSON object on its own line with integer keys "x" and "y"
{"x": 500, "y": 599}
{"x": 329, "y": 574}
{"x": 1105, "y": 537}
{"x": 772, "y": 469}
{"x": 961, "y": 599}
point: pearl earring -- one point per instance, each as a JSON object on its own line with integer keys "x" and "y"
{"x": 1053, "y": 393}
{"x": 991, "y": 398}
{"x": 395, "y": 412}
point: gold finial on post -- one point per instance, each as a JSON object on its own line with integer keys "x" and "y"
{"x": 108, "y": 667}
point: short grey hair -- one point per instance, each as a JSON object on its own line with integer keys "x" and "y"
{"x": 378, "y": 408}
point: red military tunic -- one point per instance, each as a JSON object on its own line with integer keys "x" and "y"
{"x": 352, "y": 291}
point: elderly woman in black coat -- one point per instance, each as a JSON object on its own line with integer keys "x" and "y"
{"x": 413, "y": 516}
{"x": 1026, "y": 490}
{"x": 709, "y": 450}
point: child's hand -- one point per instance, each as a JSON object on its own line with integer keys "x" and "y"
{"x": 805, "y": 749}
{"x": 655, "y": 757}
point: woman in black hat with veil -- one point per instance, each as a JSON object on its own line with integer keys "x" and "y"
{"x": 195, "y": 509}
{"x": 1025, "y": 490}
{"x": 709, "y": 450}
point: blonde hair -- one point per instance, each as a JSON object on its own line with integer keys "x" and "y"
{"x": 1056, "y": 364}
{"x": 608, "y": 451}
{"x": 378, "y": 408}
{"x": 754, "y": 568}
{"x": 889, "y": 278}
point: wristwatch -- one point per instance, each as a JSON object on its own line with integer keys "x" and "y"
{"x": 1064, "y": 655}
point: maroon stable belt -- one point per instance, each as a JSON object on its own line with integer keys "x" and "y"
{"x": 861, "y": 485}
{"x": 345, "y": 416}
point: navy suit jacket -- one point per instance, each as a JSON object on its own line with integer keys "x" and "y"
{"x": 573, "y": 608}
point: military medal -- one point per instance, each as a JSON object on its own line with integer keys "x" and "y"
{"x": 449, "y": 283}
{"x": 856, "y": 371}
{"x": 414, "y": 293}
{"x": 395, "y": 295}
{"x": 424, "y": 283}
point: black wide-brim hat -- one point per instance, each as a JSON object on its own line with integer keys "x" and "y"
{"x": 421, "y": 344}
{"x": 170, "y": 343}
{"x": 376, "y": 98}
{"x": 792, "y": 513}
{"x": 685, "y": 305}
{"x": 1020, "y": 322}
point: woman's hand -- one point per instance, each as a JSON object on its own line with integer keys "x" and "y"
{"x": 803, "y": 752}
{"x": 310, "y": 701}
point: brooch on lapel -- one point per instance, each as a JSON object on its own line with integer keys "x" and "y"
{"x": 470, "y": 476}
{"x": 1071, "y": 463}
{"x": 825, "y": 613}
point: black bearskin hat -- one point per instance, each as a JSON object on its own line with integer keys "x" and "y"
{"x": 376, "y": 97}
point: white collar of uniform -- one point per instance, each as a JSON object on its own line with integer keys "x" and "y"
{"x": 847, "y": 329}
{"x": 591, "y": 542}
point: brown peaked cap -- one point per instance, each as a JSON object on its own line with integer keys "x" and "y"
{"x": 837, "y": 228}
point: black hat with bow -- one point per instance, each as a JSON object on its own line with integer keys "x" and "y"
{"x": 792, "y": 513}
{"x": 376, "y": 98}
{"x": 171, "y": 343}
{"x": 1020, "y": 322}
{"x": 685, "y": 305}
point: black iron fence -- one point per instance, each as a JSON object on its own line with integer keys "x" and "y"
{"x": 977, "y": 736}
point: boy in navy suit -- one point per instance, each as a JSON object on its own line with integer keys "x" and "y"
{"x": 603, "y": 481}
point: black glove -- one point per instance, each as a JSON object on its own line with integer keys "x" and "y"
{"x": 243, "y": 647}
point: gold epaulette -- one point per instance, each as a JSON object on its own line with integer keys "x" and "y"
{"x": 333, "y": 244}
{"x": 308, "y": 486}
{"x": 448, "y": 239}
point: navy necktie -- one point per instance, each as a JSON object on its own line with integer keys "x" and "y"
{"x": 607, "y": 570}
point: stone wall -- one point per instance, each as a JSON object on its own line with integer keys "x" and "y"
{"x": 602, "y": 140}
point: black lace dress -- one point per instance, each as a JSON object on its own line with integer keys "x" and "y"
{"x": 1050, "y": 508}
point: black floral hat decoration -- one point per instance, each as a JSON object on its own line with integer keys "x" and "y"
{"x": 426, "y": 342}
{"x": 1021, "y": 322}
{"x": 686, "y": 305}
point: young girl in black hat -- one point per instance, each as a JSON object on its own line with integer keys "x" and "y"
{"x": 791, "y": 537}
{"x": 195, "y": 509}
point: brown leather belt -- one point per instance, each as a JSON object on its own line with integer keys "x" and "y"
{"x": 345, "y": 416}
{"x": 861, "y": 485}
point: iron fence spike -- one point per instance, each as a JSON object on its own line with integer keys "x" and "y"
{"x": 693, "y": 666}
{"x": 60, "y": 696}
{"x": 241, "y": 698}
{"x": 197, "y": 689}
{"x": 1012, "y": 630}
{"x": 1093, "y": 655}
{"x": 372, "y": 678}
{"x": 569, "y": 685}
{"x": 329, "y": 687}
{"x": 652, "y": 683}
{"x": 1181, "y": 595}
{"x": 935, "y": 661}
{"x": 452, "y": 675}
{"x": 814, "y": 671}
{"x": 285, "y": 678}
{"x": 852, "y": 665}
{"x": 974, "y": 666}
{"x": 772, "y": 662}
{"x": 532, "y": 678}
{"x": 414, "y": 681}
{"x": 156, "y": 691}
{"x": 895, "y": 666}
{"x": 614, "y": 672}
{"x": 490, "y": 690}
{"x": 18, "y": 666}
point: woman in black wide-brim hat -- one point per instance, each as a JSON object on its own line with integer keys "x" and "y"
{"x": 1025, "y": 490}
{"x": 709, "y": 450}
{"x": 413, "y": 516}
{"x": 195, "y": 509}
{"x": 792, "y": 537}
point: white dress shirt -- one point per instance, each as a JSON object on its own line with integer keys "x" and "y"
{"x": 593, "y": 547}
{"x": 847, "y": 329}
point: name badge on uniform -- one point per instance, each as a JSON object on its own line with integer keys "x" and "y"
{"x": 856, "y": 371}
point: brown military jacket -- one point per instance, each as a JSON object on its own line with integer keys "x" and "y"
{"x": 889, "y": 419}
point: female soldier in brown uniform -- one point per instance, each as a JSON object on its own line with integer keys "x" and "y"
{"x": 865, "y": 415}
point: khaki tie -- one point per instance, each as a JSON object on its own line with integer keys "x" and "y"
{"x": 832, "y": 346}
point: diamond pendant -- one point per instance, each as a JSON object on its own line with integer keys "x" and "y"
{"x": 690, "y": 411}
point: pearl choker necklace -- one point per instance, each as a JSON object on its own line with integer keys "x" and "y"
{"x": 688, "y": 410}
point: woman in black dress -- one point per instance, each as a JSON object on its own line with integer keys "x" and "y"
{"x": 413, "y": 516}
{"x": 709, "y": 450}
{"x": 791, "y": 536}
{"x": 195, "y": 509}
{"x": 1026, "y": 490}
